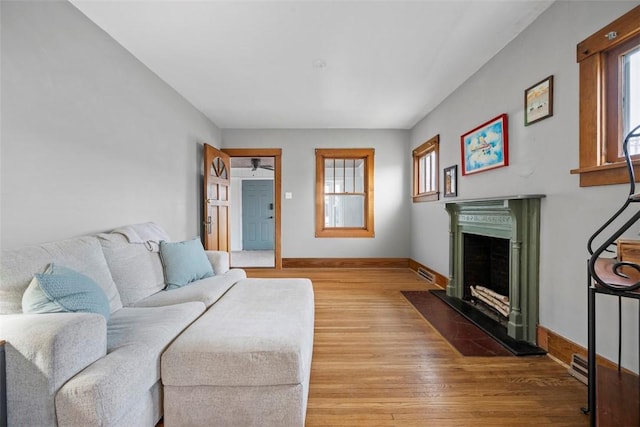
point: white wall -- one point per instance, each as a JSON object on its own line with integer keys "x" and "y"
{"x": 541, "y": 156}
{"x": 91, "y": 139}
{"x": 391, "y": 197}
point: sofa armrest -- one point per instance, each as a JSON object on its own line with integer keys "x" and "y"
{"x": 43, "y": 351}
{"x": 219, "y": 261}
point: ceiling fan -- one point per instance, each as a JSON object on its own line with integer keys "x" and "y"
{"x": 255, "y": 164}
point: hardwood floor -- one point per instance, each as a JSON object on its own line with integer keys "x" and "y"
{"x": 377, "y": 362}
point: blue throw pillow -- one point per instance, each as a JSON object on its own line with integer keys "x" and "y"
{"x": 184, "y": 262}
{"x": 61, "y": 289}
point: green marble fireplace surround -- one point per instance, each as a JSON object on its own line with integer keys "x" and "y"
{"x": 517, "y": 219}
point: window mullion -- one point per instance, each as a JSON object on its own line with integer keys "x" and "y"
{"x": 344, "y": 175}
{"x": 335, "y": 190}
{"x": 354, "y": 175}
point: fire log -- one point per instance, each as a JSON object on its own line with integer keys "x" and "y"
{"x": 499, "y": 306}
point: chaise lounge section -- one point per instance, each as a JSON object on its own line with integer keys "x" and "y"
{"x": 248, "y": 356}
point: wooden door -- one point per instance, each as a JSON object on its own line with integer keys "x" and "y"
{"x": 217, "y": 178}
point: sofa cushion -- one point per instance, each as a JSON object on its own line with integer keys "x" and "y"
{"x": 136, "y": 337}
{"x": 207, "y": 290}
{"x": 82, "y": 254}
{"x": 136, "y": 270}
{"x": 61, "y": 289}
{"x": 219, "y": 261}
{"x": 184, "y": 262}
{"x": 259, "y": 334}
{"x": 152, "y": 327}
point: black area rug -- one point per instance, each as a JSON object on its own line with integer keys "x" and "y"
{"x": 470, "y": 333}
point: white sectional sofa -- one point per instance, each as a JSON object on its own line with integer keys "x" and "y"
{"x": 81, "y": 369}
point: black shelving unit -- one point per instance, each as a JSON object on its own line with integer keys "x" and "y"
{"x": 609, "y": 275}
{"x": 613, "y": 397}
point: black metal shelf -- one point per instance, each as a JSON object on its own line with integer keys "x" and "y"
{"x": 621, "y": 279}
{"x": 613, "y": 395}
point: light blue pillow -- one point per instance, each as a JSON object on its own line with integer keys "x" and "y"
{"x": 184, "y": 262}
{"x": 60, "y": 290}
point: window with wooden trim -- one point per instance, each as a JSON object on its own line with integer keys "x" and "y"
{"x": 425, "y": 171}
{"x": 609, "y": 63}
{"x": 344, "y": 192}
{"x": 622, "y": 71}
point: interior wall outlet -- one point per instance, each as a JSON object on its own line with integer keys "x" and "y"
{"x": 288, "y": 195}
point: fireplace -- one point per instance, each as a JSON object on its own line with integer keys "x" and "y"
{"x": 486, "y": 274}
{"x": 494, "y": 244}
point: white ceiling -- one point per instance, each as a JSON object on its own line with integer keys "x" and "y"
{"x": 254, "y": 64}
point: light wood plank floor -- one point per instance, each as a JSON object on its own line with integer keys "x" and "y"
{"x": 377, "y": 362}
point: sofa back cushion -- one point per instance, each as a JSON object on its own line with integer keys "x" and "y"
{"x": 82, "y": 254}
{"x": 136, "y": 267}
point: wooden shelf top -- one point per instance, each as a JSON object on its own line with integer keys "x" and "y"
{"x": 604, "y": 270}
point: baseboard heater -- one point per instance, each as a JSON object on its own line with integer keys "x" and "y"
{"x": 427, "y": 275}
{"x": 579, "y": 368}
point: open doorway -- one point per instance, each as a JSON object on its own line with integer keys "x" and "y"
{"x": 255, "y": 208}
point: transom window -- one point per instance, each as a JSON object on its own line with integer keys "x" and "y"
{"x": 344, "y": 192}
{"x": 425, "y": 171}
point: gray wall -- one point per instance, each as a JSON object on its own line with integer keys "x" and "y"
{"x": 391, "y": 187}
{"x": 541, "y": 156}
{"x": 91, "y": 139}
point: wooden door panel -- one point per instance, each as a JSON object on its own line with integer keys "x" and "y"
{"x": 216, "y": 199}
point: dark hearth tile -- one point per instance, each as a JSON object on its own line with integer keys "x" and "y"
{"x": 466, "y": 337}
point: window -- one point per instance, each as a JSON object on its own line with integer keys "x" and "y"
{"x": 622, "y": 72}
{"x": 425, "y": 171}
{"x": 609, "y": 63}
{"x": 344, "y": 192}
{"x": 632, "y": 95}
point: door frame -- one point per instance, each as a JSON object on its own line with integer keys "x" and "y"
{"x": 276, "y": 153}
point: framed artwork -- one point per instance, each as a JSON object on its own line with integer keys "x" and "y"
{"x": 451, "y": 181}
{"x": 485, "y": 147}
{"x": 538, "y": 101}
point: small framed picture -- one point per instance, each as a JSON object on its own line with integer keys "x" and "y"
{"x": 538, "y": 101}
{"x": 451, "y": 181}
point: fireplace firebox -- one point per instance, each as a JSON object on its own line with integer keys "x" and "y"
{"x": 486, "y": 274}
{"x": 486, "y": 263}
{"x": 494, "y": 244}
